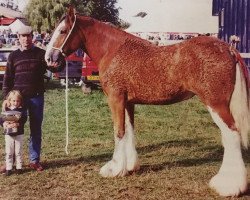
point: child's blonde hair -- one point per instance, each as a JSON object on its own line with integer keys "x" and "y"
{"x": 14, "y": 93}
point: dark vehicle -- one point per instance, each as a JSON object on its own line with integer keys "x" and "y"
{"x": 4, "y": 54}
{"x": 74, "y": 64}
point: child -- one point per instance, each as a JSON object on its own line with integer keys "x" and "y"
{"x": 13, "y": 132}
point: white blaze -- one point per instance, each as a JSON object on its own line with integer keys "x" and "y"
{"x": 53, "y": 39}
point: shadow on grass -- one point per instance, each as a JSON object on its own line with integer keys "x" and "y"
{"x": 167, "y": 144}
{"x": 214, "y": 156}
{"x": 52, "y": 84}
{"x": 182, "y": 163}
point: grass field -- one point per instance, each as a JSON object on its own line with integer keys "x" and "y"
{"x": 179, "y": 149}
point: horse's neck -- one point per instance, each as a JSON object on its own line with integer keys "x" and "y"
{"x": 102, "y": 41}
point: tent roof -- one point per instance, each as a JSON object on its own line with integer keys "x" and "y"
{"x": 6, "y": 12}
{"x": 15, "y": 26}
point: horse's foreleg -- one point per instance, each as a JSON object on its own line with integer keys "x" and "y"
{"x": 125, "y": 156}
{"x": 118, "y": 165}
{"x": 231, "y": 179}
{"x": 117, "y": 106}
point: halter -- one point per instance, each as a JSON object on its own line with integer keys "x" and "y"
{"x": 61, "y": 48}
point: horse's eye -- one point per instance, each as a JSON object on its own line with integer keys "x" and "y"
{"x": 63, "y": 32}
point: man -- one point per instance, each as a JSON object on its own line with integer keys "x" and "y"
{"x": 25, "y": 72}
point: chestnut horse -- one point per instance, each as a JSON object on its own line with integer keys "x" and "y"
{"x": 134, "y": 71}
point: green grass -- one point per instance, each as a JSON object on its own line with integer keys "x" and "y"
{"x": 179, "y": 149}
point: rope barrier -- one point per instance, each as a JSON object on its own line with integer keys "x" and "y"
{"x": 67, "y": 111}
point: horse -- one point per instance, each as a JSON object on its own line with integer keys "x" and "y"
{"x": 135, "y": 71}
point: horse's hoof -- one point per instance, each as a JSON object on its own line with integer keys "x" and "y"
{"x": 227, "y": 184}
{"x": 112, "y": 169}
{"x": 133, "y": 167}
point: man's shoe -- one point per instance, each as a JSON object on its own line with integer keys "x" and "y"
{"x": 19, "y": 171}
{"x": 8, "y": 172}
{"x": 36, "y": 166}
{"x": 3, "y": 169}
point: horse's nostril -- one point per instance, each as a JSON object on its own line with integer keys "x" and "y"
{"x": 54, "y": 57}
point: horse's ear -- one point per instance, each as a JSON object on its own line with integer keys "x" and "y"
{"x": 71, "y": 14}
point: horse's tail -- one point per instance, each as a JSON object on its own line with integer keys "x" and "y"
{"x": 240, "y": 104}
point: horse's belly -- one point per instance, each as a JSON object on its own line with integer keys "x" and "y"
{"x": 152, "y": 97}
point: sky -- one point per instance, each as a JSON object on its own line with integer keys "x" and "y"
{"x": 170, "y": 15}
{"x": 166, "y": 15}
{"x": 22, "y": 4}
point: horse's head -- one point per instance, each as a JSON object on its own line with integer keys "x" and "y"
{"x": 65, "y": 39}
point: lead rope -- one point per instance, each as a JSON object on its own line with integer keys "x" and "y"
{"x": 66, "y": 89}
{"x": 67, "y": 111}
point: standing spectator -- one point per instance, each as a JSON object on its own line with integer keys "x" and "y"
{"x": 25, "y": 72}
{"x": 16, "y": 44}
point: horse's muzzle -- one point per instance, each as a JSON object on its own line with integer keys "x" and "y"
{"x": 53, "y": 55}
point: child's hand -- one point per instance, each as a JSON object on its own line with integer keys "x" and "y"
{"x": 15, "y": 124}
{"x": 18, "y": 116}
{"x": 8, "y": 124}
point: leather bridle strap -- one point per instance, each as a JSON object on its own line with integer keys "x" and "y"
{"x": 61, "y": 48}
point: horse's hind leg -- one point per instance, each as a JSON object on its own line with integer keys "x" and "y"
{"x": 125, "y": 156}
{"x": 231, "y": 179}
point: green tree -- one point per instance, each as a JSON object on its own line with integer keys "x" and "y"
{"x": 43, "y": 15}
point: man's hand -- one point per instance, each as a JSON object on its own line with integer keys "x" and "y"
{"x": 52, "y": 64}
